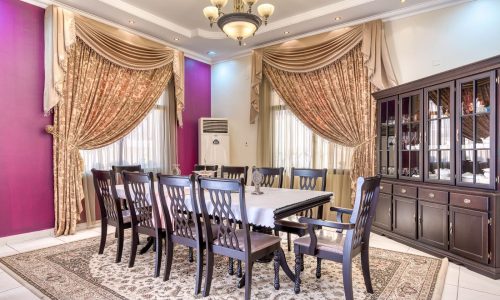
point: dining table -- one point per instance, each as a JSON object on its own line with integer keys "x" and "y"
{"x": 263, "y": 209}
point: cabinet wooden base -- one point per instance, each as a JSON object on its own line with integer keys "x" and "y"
{"x": 485, "y": 270}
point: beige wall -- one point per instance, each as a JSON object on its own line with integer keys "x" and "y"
{"x": 231, "y": 99}
{"x": 419, "y": 45}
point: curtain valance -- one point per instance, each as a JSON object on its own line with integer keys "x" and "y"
{"x": 318, "y": 51}
{"x": 120, "y": 47}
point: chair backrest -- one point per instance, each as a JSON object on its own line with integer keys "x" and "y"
{"x": 206, "y": 167}
{"x": 220, "y": 193}
{"x": 367, "y": 193}
{"x": 234, "y": 173}
{"x": 105, "y": 188}
{"x": 119, "y": 169}
{"x": 175, "y": 209}
{"x": 308, "y": 178}
{"x": 269, "y": 176}
{"x": 141, "y": 199}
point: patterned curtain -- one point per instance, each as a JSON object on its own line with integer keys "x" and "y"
{"x": 336, "y": 103}
{"x": 102, "y": 102}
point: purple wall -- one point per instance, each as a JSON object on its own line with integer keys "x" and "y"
{"x": 26, "y": 193}
{"x": 197, "y": 89}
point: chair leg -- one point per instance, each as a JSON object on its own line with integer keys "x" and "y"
{"x": 199, "y": 270}
{"x": 133, "y": 247}
{"x": 318, "y": 268}
{"x": 302, "y": 262}
{"x": 347, "y": 277}
{"x": 289, "y": 241}
{"x": 116, "y": 233}
{"x": 365, "y": 266}
{"x": 230, "y": 266}
{"x": 169, "y": 255}
{"x": 158, "y": 253}
{"x": 277, "y": 270}
{"x": 248, "y": 280}
{"x": 276, "y": 233}
{"x": 298, "y": 264}
{"x": 191, "y": 256}
{"x": 104, "y": 233}
{"x": 119, "y": 245}
{"x": 209, "y": 273}
{"x": 239, "y": 272}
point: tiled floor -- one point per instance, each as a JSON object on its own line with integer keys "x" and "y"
{"x": 461, "y": 283}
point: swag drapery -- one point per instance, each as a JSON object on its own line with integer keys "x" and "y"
{"x": 326, "y": 80}
{"x": 100, "y": 83}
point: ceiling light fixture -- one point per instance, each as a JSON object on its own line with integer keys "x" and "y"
{"x": 241, "y": 23}
{"x": 211, "y": 53}
{"x": 286, "y": 32}
{"x": 176, "y": 39}
{"x": 132, "y": 22}
{"x": 338, "y": 18}
{"x": 403, "y": 1}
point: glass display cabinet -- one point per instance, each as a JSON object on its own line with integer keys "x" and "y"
{"x": 476, "y": 130}
{"x": 387, "y": 128}
{"x": 410, "y": 137}
{"x": 439, "y": 105}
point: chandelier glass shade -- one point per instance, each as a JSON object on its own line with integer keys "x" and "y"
{"x": 241, "y": 23}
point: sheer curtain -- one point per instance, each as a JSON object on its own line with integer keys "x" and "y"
{"x": 148, "y": 145}
{"x": 295, "y": 145}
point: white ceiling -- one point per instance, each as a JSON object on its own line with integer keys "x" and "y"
{"x": 181, "y": 22}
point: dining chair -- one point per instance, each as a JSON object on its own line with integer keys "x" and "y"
{"x": 234, "y": 172}
{"x": 307, "y": 180}
{"x": 144, "y": 212}
{"x": 337, "y": 246}
{"x": 207, "y": 168}
{"x": 269, "y": 176}
{"x": 229, "y": 240}
{"x": 183, "y": 225}
{"x": 119, "y": 177}
{"x": 111, "y": 210}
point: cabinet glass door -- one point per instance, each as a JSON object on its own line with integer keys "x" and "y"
{"x": 387, "y": 137}
{"x": 438, "y": 113}
{"x": 410, "y": 137}
{"x": 476, "y": 130}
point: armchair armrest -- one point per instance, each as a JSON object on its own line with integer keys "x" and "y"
{"x": 311, "y": 225}
{"x": 340, "y": 214}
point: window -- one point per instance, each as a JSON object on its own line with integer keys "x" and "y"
{"x": 145, "y": 145}
{"x": 295, "y": 145}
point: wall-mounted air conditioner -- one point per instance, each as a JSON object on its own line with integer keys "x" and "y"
{"x": 213, "y": 141}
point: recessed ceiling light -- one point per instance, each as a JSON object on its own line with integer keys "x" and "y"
{"x": 286, "y": 32}
{"x": 176, "y": 39}
{"x": 131, "y": 22}
{"x": 211, "y": 53}
{"x": 403, "y": 1}
{"x": 338, "y": 18}
{"x": 244, "y": 44}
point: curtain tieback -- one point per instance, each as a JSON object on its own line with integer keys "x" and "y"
{"x": 365, "y": 142}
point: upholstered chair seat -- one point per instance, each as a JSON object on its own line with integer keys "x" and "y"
{"x": 328, "y": 241}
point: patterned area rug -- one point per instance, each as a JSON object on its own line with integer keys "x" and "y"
{"x": 76, "y": 271}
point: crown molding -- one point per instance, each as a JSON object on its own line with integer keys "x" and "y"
{"x": 385, "y": 17}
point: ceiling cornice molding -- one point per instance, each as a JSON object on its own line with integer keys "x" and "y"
{"x": 187, "y": 52}
{"x": 387, "y": 16}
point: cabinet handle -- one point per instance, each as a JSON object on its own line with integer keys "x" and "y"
{"x": 381, "y": 187}
{"x": 467, "y": 201}
{"x": 451, "y": 228}
{"x": 403, "y": 191}
{"x": 420, "y": 220}
{"x": 431, "y": 195}
{"x": 389, "y": 211}
{"x": 414, "y": 218}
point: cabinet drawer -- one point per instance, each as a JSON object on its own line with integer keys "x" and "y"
{"x": 405, "y": 191}
{"x": 433, "y": 196}
{"x": 469, "y": 201}
{"x": 386, "y": 188}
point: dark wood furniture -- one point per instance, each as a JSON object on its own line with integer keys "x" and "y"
{"x": 207, "y": 168}
{"x": 269, "y": 176}
{"x": 335, "y": 246}
{"x": 184, "y": 226}
{"x": 145, "y": 215}
{"x": 119, "y": 177}
{"x": 437, "y": 152}
{"x": 308, "y": 180}
{"x": 111, "y": 209}
{"x": 229, "y": 239}
{"x": 234, "y": 173}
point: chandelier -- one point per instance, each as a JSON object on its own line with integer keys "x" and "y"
{"x": 241, "y": 23}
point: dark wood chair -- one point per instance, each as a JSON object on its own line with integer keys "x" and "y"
{"x": 119, "y": 176}
{"x": 145, "y": 214}
{"x": 111, "y": 210}
{"x": 270, "y": 175}
{"x": 207, "y": 168}
{"x": 234, "y": 173}
{"x": 339, "y": 247}
{"x": 308, "y": 180}
{"x": 230, "y": 240}
{"x": 184, "y": 225}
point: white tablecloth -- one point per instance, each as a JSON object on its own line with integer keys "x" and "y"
{"x": 260, "y": 208}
